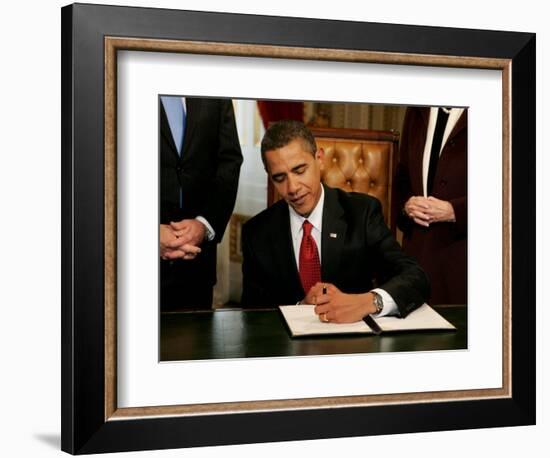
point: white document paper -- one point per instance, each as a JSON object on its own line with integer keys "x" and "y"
{"x": 302, "y": 321}
{"x": 423, "y": 317}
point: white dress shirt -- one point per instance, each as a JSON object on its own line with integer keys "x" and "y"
{"x": 316, "y": 219}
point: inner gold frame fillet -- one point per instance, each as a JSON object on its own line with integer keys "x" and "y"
{"x": 114, "y": 44}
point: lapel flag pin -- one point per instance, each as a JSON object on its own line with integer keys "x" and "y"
{"x": 333, "y": 235}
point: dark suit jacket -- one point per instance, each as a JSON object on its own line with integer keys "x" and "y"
{"x": 364, "y": 255}
{"x": 208, "y": 173}
{"x": 440, "y": 249}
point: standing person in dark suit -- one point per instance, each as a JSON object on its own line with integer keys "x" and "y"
{"x": 431, "y": 194}
{"x": 200, "y": 159}
{"x": 321, "y": 245}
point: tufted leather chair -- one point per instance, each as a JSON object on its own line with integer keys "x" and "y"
{"x": 357, "y": 160}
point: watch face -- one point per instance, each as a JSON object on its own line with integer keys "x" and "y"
{"x": 378, "y": 302}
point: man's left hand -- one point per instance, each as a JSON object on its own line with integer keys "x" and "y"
{"x": 188, "y": 232}
{"x": 338, "y": 307}
{"x": 440, "y": 211}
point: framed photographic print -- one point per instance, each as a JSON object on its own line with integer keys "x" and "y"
{"x": 136, "y": 376}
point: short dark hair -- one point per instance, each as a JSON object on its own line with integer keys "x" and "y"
{"x": 283, "y": 132}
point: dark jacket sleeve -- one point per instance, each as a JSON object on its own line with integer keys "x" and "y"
{"x": 460, "y": 207}
{"x": 402, "y": 186}
{"x": 398, "y": 274}
{"x": 255, "y": 291}
{"x": 221, "y": 198}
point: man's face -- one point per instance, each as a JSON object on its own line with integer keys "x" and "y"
{"x": 296, "y": 175}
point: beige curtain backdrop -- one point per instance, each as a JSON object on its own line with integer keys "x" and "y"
{"x": 354, "y": 115}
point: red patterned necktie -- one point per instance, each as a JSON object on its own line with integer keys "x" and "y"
{"x": 310, "y": 266}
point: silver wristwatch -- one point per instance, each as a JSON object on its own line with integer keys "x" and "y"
{"x": 377, "y": 301}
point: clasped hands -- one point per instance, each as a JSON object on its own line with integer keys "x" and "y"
{"x": 427, "y": 210}
{"x": 332, "y": 305}
{"x": 181, "y": 239}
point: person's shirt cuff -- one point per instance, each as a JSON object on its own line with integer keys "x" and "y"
{"x": 210, "y": 233}
{"x": 390, "y": 307}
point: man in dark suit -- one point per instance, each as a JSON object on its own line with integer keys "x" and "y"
{"x": 200, "y": 159}
{"x": 431, "y": 194}
{"x": 320, "y": 245}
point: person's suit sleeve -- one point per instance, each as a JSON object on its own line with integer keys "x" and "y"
{"x": 403, "y": 189}
{"x": 461, "y": 215}
{"x": 398, "y": 274}
{"x": 254, "y": 292}
{"x": 221, "y": 198}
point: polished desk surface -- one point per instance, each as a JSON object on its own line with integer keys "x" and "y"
{"x": 237, "y": 333}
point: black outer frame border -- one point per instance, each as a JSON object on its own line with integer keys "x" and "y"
{"x": 84, "y": 429}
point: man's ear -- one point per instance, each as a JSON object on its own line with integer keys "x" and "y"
{"x": 320, "y": 156}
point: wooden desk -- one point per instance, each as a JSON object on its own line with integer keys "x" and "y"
{"x": 233, "y": 333}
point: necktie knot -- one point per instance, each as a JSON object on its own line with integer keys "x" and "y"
{"x": 307, "y": 226}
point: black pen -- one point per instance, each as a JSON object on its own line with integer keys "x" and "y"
{"x": 324, "y": 320}
{"x": 369, "y": 320}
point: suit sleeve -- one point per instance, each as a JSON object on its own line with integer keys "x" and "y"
{"x": 460, "y": 203}
{"x": 398, "y": 274}
{"x": 403, "y": 189}
{"x": 221, "y": 199}
{"x": 461, "y": 215}
{"x": 255, "y": 292}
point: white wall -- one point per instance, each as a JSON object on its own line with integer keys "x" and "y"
{"x": 252, "y": 192}
{"x": 30, "y": 229}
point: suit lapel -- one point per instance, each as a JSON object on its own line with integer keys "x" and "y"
{"x": 332, "y": 242}
{"x": 446, "y": 158}
{"x": 166, "y": 132}
{"x": 459, "y": 126}
{"x": 193, "y": 107}
{"x": 283, "y": 251}
{"x": 416, "y": 158}
{"x": 332, "y": 236}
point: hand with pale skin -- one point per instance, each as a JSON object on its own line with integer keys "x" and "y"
{"x": 171, "y": 246}
{"x": 427, "y": 210}
{"x": 440, "y": 211}
{"x": 337, "y": 307}
{"x": 189, "y": 231}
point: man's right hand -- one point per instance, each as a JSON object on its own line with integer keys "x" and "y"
{"x": 335, "y": 306}
{"x": 167, "y": 237}
{"x": 428, "y": 210}
{"x": 417, "y": 208}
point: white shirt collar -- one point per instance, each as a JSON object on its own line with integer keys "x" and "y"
{"x": 315, "y": 217}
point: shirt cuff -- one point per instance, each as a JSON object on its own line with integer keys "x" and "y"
{"x": 210, "y": 233}
{"x": 390, "y": 307}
